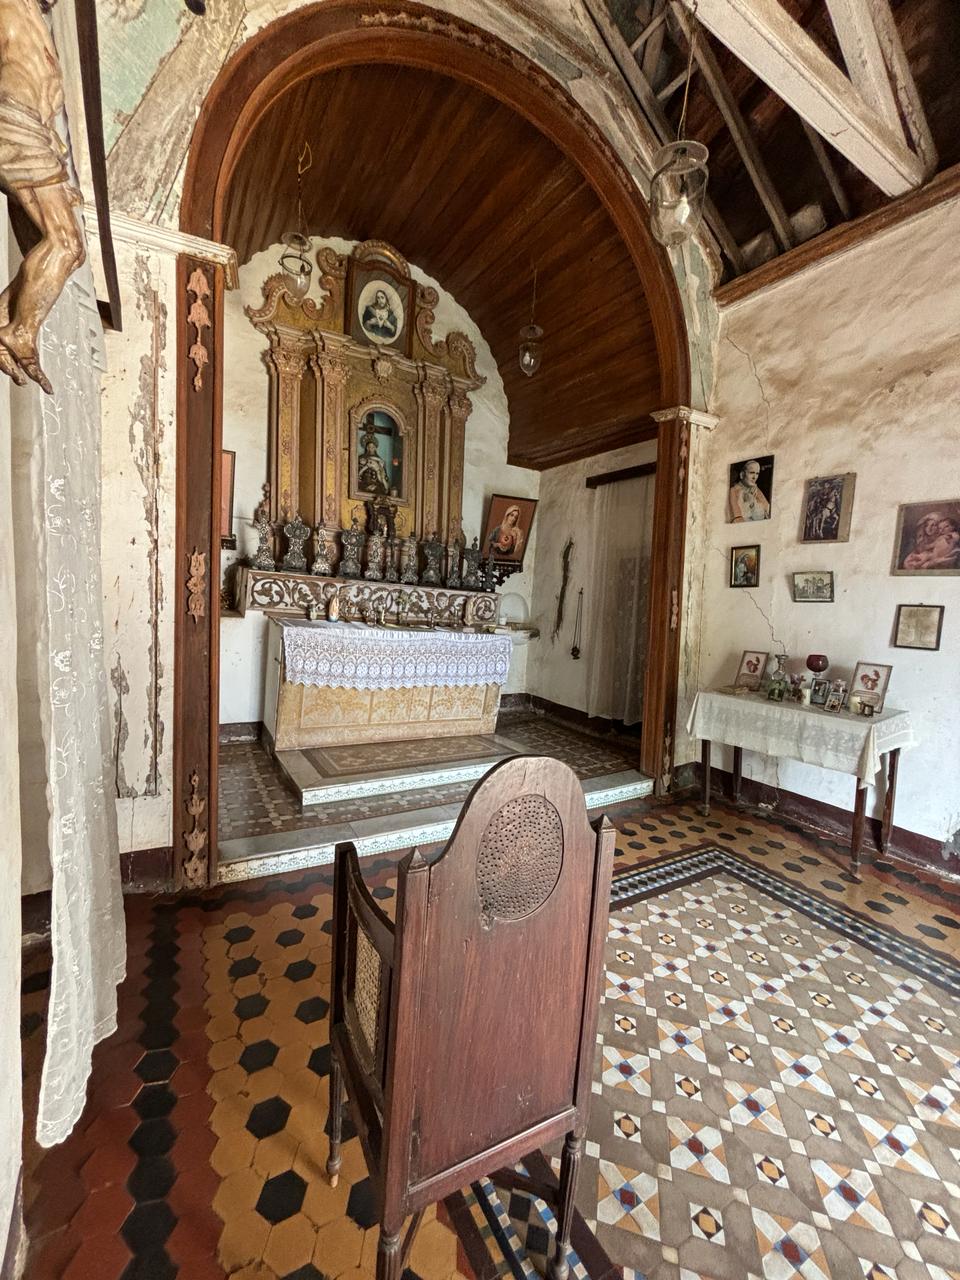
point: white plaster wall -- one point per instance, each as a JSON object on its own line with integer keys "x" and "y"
{"x": 140, "y": 584}
{"x": 566, "y": 510}
{"x": 11, "y": 1103}
{"x": 853, "y": 365}
{"x": 245, "y": 415}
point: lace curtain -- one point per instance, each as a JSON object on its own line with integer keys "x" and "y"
{"x": 615, "y": 637}
{"x": 87, "y": 922}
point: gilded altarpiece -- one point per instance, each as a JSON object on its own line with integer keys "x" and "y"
{"x": 354, "y": 421}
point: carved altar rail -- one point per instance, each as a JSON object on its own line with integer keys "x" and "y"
{"x": 279, "y": 592}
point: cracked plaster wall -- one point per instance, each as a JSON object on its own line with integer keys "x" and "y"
{"x": 245, "y": 415}
{"x": 853, "y": 365}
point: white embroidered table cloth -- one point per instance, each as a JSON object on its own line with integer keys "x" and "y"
{"x": 834, "y": 740}
{"x": 349, "y": 655}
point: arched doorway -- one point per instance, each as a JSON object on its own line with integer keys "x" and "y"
{"x": 304, "y": 45}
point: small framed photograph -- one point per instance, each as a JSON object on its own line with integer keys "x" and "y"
{"x": 834, "y": 700}
{"x": 918, "y": 626}
{"x": 869, "y": 684}
{"x": 753, "y": 664}
{"x": 827, "y": 508}
{"x": 751, "y": 489}
{"x": 745, "y": 566}
{"x": 813, "y": 586}
{"x": 819, "y": 691}
{"x": 928, "y": 539}
{"x": 228, "y": 471}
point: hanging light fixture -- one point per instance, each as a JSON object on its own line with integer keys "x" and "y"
{"x": 294, "y": 262}
{"x": 531, "y": 339}
{"x": 678, "y": 188}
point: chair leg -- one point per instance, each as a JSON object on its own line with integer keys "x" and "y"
{"x": 336, "y": 1120}
{"x": 389, "y": 1255}
{"x": 559, "y": 1268}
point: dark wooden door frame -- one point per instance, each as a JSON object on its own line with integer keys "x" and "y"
{"x": 314, "y": 39}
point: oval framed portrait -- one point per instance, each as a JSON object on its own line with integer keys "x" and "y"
{"x": 380, "y": 312}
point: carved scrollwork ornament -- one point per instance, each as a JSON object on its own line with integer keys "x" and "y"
{"x": 197, "y": 585}
{"x": 199, "y": 318}
{"x": 194, "y": 866}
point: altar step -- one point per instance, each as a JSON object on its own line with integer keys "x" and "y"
{"x": 249, "y": 857}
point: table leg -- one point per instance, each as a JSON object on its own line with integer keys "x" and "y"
{"x": 856, "y": 840}
{"x": 737, "y": 773}
{"x": 893, "y": 762}
{"x": 705, "y": 766}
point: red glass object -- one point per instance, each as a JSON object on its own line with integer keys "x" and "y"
{"x": 817, "y": 662}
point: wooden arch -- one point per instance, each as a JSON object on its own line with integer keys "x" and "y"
{"x": 304, "y": 43}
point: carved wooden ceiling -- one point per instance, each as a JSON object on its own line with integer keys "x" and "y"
{"x": 473, "y": 194}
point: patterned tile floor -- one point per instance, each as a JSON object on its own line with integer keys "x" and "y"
{"x": 200, "y": 1151}
{"x": 255, "y": 800}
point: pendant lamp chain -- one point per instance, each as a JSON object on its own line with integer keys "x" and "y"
{"x": 531, "y": 337}
{"x": 678, "y": 187}
{"x": 294, "y": 261}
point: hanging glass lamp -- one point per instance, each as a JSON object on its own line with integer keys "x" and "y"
{"x": 531, "y": 349}
{"x": 678, "y": 190}
{"x": 294, "y": 263}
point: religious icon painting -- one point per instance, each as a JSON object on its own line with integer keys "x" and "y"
{"x": 745, "y": 566}
{"x": 379, "y": 305}
{"x": 827, "y": 508}
{"x": 918, "y": 626}
{"x": 869, "y": 683}
{"x": 507, "y": 531}
{"x": 751, "y": 489}
{"x": 753, "y": 664}
{"x": 928, "y": 538}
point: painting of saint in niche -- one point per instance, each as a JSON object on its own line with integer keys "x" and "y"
{"x": 379, "y": 456}
{"x": 380, "y": 311}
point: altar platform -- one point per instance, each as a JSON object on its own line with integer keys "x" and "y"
{"x": 287, "y": 812}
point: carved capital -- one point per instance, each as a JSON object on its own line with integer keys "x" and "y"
{"x": 460, "y": 406}
{"x": 289, "y": 364}
{"x": 331, "y": 369}
{"x": 684, "y": 414}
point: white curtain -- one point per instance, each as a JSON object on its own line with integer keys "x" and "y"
{"x": 87, "y": 923}
{"x": 615, "y": 636}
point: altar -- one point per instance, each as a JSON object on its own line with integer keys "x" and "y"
{"x": 335, "y": 683}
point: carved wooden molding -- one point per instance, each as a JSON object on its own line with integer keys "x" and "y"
{"x": 199, "y": 317}
{"x": 281, "y": 307}
{"x": 455, "y": 349}
{"x": 194, "y": 867}
{"x": 197, "y": 585}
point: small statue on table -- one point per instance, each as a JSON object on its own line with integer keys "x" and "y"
{"x": 432, "y": 551}
{"x": 263, "y": 558}
{"x": 375, "y": 550}
{"x": 408, "y": 562}
{"x": 352, "y": 540}
{"x": 297, "y": 533}
{"x": 453, "y": 566}
{"x": 471, "y": 566}
{"x": 323, "y": 560}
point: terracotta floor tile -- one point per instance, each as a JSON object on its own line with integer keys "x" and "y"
{"x": 338, "y": 1247}
{"x": 290, "y": 1245}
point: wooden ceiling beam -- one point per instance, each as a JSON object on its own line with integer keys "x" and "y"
{"x": 828, "y": 169}
{"x": 785, "y": 57}
{"x": 739, "y": 131}
{"x": 905, "y": 86}
{"x": 857, "y": 33}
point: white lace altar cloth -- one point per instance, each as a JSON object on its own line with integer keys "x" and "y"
{"x": 832, "y": 739}
{"x": 349, "y": 655}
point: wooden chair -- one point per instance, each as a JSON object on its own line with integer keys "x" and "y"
{"x": 465, "y": 1033}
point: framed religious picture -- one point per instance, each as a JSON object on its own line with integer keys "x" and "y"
{"x": 918, "y": 626}
{"x": 751, "y": 489}
{"x": 753, "y": 664}
{"x": 928, "y": 538}
{"x": 377, "y": 460}
{"x": 813, "y": 586}
{"x": 745, "y": 566}
{"x": 379, "y": 305}
{"x": 827, "y": 508}
{"x": 869, "y": 683}
{"x": 228, "y": 474}
{"x": 507, "y": 531}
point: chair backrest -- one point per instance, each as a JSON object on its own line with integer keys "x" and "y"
{"x": 497, "y": 965}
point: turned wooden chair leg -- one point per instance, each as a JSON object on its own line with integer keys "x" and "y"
{"x": 389, "y": 1255}
{"x": 336, "y": 1120}
{"x": 559, "y": 1268}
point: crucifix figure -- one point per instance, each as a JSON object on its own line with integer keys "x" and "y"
{"x": 33, "y": 170}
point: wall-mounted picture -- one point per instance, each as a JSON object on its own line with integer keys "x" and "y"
{"x": 751, "y": 489}
{"x": 918, "y": 626}
{"x": 228, "y": 471}
{"x": 753, "y": 664}
{"x": 507, "y": 531}
{"x": 813, "y": 586}
{"x": 869, "y": 683}
{"x": 745, "y": 566}
{"x": 827, "y": 508}
{"x": 928, "y": 538}
{"x": 377, "y": 461}
{"x": 379, "y": 306}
